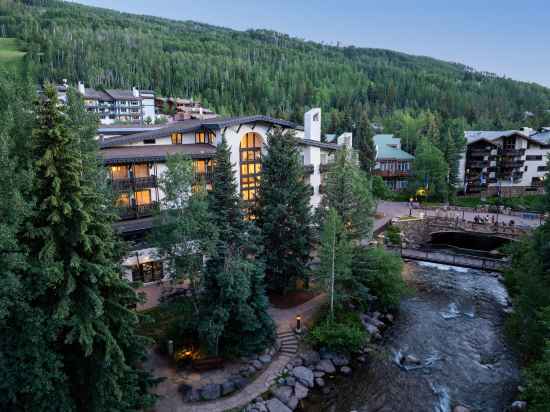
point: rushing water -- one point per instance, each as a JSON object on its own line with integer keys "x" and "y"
{"x": 453, "y": 324}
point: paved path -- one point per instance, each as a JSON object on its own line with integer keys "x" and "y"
{"x": 285, "y": 320}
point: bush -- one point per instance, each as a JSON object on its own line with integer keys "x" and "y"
{"x": 393, "y": 235}
{"x": 345, "y": 334}
{"x": 381, "y": 271}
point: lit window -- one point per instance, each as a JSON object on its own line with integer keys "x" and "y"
{"x": 141, "y": 170}
{"x": 251, "y": 166}
{"x": 119, "y": 172}
{"x": 123, "y": 200}
{"x": 148, "y": 272}
{"x": 176, "y": 138}
{"x": 143, "y": 197}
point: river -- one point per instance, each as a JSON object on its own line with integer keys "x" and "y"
{"x": 454, "y": 325}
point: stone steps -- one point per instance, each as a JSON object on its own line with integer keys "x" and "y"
{"x": 288, "y": 343}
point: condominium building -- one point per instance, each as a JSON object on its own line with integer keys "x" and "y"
{"x": 136, "y": 161}
{"x": 392, "y": 163}
{"x": 507, "y": 162}
{"x": 116, "y": 105}
{"x": 183, "y": 109}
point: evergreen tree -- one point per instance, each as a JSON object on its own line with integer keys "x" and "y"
{"x": 430, "y": 171}
{"x": 86, "y": 330}
{"x": 348, "y": 191}
{"x": 365, "y": 143}
{"x": 233, "y": 312}
{"x": 283, "y": 212}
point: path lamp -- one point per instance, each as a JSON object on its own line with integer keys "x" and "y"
{"x": 410, "y": 206}
{"x": 298, "y": 324}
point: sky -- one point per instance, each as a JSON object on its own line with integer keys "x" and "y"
{"x": 509, "y": 38}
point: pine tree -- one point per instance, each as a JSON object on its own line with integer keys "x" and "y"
{"x": 283, "y": 212}
{"x": 430, "y": 171}
{"x": 90, "y": 340}
{"x": 348, "y": 191}
{"x": 365, "y": 143}
{"x": 233, "y": 312}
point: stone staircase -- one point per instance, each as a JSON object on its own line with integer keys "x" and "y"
{"x": 288, "y": 343}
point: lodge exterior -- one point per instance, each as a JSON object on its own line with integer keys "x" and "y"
{"x": 136, "y": 161}
{"x": 392, "y": 163}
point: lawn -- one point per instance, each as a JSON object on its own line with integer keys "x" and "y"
{"x": 10, "y": 52}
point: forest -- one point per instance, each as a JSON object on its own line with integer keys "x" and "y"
{"x": 259, "y": 71}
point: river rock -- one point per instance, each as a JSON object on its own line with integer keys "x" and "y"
{"x": 519, "y": 406}
{"x": 257, "y": 364}
{"x": 275, "y": 405}
{"x": 310, "y": 357}
{"x": 265, "y": 359}
{"x": 460, "y": 408}
{"x": 211, "y": 391}
{"x": 326, "y": 366}
{"x": 283, "y": 393}
{"x": 304, "y": 375}
{"x": 239, "y": 382}
{"x": 346, "y": 370}
{"x": 228, "y": 387}
{"x": 320, "y": 382}
{"x": 361, "y": 359}
{"x": 293, "y": 402}
{"x": 411, "y": 360}
{"x": 318, "y": 374}
{"x": 296, "y": 361}
{"x": 300, "y": 391}
{"x": 340, "y": 360}
{"x": 389, "y": 317}
{"x": 371, "y": 329}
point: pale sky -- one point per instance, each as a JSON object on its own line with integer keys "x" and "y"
{"x": 510, "y": 38}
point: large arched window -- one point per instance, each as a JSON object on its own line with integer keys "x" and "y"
{"x": 250, "y": 152}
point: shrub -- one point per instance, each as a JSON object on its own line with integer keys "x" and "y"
{"x": 538, "y": 384}
{"x": 381, "y": 271}
{"x": 393, "y": 235}
{"x": 342, "y": 335}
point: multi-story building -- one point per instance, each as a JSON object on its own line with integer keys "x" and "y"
{"x": 392, "y": 163}
{"x": 136, "y": 161}
{"x": 115, "y": 105}
{"x": 507, "y": 162}
{"x": 183, "y": 109}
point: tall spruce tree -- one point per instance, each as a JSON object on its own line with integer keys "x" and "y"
{"x": 90, "y": 342}
{"x": 233, "y": 311}
{"x": 365, "y": 143}
{"x": 430, "y": 171}
{"x": 348, "y": 191}
{"x": 283, "y": 212}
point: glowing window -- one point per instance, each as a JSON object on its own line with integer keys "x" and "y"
{"x": 143, "y": 197}
{"x": 250, "y": 155}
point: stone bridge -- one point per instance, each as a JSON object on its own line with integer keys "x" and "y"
{"x": 419, "y": 231}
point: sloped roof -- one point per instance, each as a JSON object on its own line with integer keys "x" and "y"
{"x": 542, "y": 137}
{"x": 489, "y": 135}
{"x": 154, "y": 153}
{"x": 385, "y": 150}
{"x": 94, "y": 94}
{"x": 121, "y": 94}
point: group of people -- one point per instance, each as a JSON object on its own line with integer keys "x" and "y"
{"x": 485, "y": 220}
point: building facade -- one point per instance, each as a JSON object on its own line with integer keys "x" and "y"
{"x": 392, "y": 163}
{"x": 136, "y": 162}
{"x": 507, "y": 162}
{"x": 183, "y": 109}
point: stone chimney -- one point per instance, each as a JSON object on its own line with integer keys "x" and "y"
{"x": 312, "y": 124}
{"x": 81, "y": 88}
{"x": 135, "y": 92}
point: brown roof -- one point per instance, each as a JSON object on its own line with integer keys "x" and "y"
{"x": 154, "y": 153}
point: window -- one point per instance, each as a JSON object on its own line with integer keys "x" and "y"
{"x": 123, "y": 200}
{"x": 149, "y": 141}
{"x": 119, "y": 172}
{"x": 143, "y": 197}
{"x": 250, "y": 167}
{"x": 205, "y": 137}
{"x": 533, "y": 157}
{"x": 141, "y": 170}
{"x": 176, "y": 138}
{"x": 148, "y": 272}
{"x": 542, "y": 169}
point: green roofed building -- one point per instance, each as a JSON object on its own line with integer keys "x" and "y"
{"x": 392, "y": 163}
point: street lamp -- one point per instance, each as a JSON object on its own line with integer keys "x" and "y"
{"x": 410, "y": 206}
{"x": 298, "y": 324}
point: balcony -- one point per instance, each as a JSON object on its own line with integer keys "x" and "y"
{"x": 392, "y": 173}
{"x": 513, "y": 152}
{"x": 477, "y": 164}
{"x": 136, "y": 183}
{"x": 309, "y": 169}
{"x": 512, "y": 164}
{"x": 135, "y": 212}
{"x": 205, "y": 176}
{"x": 479, "y": 152}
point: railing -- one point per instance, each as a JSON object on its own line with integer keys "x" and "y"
{"x": 137, "y": 211}
{"x": 392, "y": 173}
{"x": 134, "y": 183}
{"x": 477, "y": 164}
{"x": 202, "y": 176}
{"x": 457, "y": 223}
{"x": 480, "y": 152}
{"x": 513, "y": 152}
{"x": 453, "y": 259}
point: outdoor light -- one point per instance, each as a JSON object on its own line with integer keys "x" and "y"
{"x": 298, "y": 323}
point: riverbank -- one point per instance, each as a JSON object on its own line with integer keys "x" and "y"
{"x": 446, "y": 351}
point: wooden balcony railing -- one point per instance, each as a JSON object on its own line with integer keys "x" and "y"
{"x": 137, "y": 211}
{"x": 392, "y": 173}
{"x": 134, "y": 183}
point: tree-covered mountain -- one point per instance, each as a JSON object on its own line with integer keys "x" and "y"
{"x": 257, "y": 71}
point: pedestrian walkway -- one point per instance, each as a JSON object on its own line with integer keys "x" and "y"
{"x": 285, "y": 319}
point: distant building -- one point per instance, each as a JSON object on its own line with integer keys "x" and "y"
{"x": 392, "y": 163}
{"x": 183, "y": 109}
{"x": 116, "y": 105}
{"x": 511, "y": 162}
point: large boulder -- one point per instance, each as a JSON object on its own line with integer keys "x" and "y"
{"x": 304, "y": 375}
{"x": 265, "y": 359}
{"x": 300, "y": 391}
{"x": 310, "y": 357}
{"x": 339, "y": 360}
{"x": 460, "y": 408}
{"x": 239, "y": 382}
{"x": 211, "y": 391}
{"x": 326, "y": 366}
{"x": 228, "y": 387}
{"x": 275, "y": 405}
{"x": 320, "y": 382}
{"x": 283, "y": 393}
{"x": 346, "y": 370}
{"x": 519, "y": 406}
{"x": 257, "y": 365}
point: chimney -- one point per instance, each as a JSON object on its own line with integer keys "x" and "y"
{"x": 312, "y": 124}
{"x": 200, "y": 113}
{"x": 81, "y": 88}
{"x": 135, "y": 92}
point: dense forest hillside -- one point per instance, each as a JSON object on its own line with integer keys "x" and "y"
{"x": 258, "y": 71}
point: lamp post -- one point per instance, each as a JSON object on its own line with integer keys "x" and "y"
{"x": 298, "y": 324}
{"x": 410, "y": 206}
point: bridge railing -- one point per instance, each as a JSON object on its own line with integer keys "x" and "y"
{"x": 453, "y": 259}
